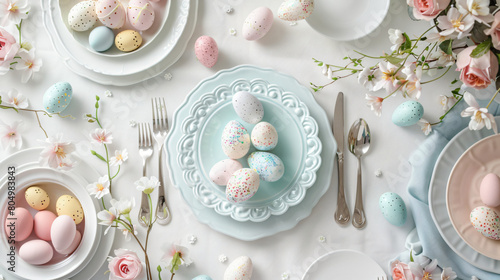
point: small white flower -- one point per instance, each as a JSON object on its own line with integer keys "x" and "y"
{"x": 14, "y": 11}
{"x": 425, "y": 126}
{"x": 293, "y": 23}
{"x": 412, "y": 87}
{"x": 285, "y": 276}
{"x": 168, "y": 76}
{"x": 425, "y": 269}
{"x": 228, "y": 9}
{"x": 479, "y": 10}
{"x": 120, "y": 157}
{"x": 232, "y": 31}
{"x": 147, "y": 185}
{"x": 479, "y": 117}
{"x": 435, "y": 37}
{"x": 108, "y": 93}
{"x": 447, "y": 101}
{"x": 448, "y": 274}
{"x": 455, "y": 22}
{"x": 99, "y": 188}
{"x": 378, "y": 173}
{"x": 16, "y": 99}
{"x": 375, "y": 104}
{"x": 396, "y": 37}
{"x": 192, "y": 239}
{"x": 29, "y": 64}
{"x": 101, "y": 136}
{"x": 387, "y": 76}
{"x": 10, "y": 137}
{"x": 222, "y": 258}
{"x": 56, "y": 153}
{"x": 126, "y": 232}
{"x": 132, "y": 123}
{"x": 107, "y": 218}
{"x": 324, "y": 69}
{"x": 183, "y": 255}
{"x": 123, "y": 206}
{"x": 321, "y": 239}
{"x": 367, "y": 78}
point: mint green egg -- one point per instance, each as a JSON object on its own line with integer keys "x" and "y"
{"x": 57, "y": 97}
{"x": 202, "y": 277}
{"x": 393, "y": 208}
{"x": 408, "y": 113}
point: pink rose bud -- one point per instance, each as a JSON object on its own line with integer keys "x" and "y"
{"x": 428, "y": 9}
{"x": 125, "y": 266}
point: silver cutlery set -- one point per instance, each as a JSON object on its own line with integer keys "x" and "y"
{"x": 358, "y": 141}
{"x": 146, "y": 148}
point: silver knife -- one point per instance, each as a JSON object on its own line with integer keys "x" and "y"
{"x": 342, "y": 213}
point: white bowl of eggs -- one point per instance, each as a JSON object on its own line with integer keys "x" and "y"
{"x": 49, "y": 225}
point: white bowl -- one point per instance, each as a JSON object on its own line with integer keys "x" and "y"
{"x": 56, "y": 184}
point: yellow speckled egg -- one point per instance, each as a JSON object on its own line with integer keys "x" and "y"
{"x": 37, "y": 198}
{"x": 128, "y": 40}
{"x": 69, "y": 205}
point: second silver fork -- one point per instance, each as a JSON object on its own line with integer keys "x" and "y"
{"x": 145, "y": 151}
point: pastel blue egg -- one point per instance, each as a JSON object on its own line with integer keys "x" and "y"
{"x": 393, "y": 208}
{"x": 268, "y": 165}
{"x": 408, "y": 113}
{"x": 101, "y": 38}
{"x": 202, "y": 277}
{"x": 57, "y": 97}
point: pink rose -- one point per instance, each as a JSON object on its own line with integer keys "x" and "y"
{"x": 125, "y": 266}
{"x": 400, "y": 271}
{"x": 427, "y": 9}
{"x": 477, "y": 72}
{"x": 494, "y": 32}
{"x": 8, "y": 47}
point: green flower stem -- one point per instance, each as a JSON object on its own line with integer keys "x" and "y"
{"x": 109, "y": 170}
{"x": 373, "y": 57}
{"x": 395, "y": 90}
{"x": 449, "y": 110}
{"x": 40, "y": 125}
{"x": 442, "y": 75}
{"x": 172, "y": 277}
{"x": 414, "y": 46}
{"x": 495, "y": 95}
{"x": 118, "y": 171}
{"x": 143, "y": 248}
{"x": 18, "y": 26}
{"x": 103, "y": 205}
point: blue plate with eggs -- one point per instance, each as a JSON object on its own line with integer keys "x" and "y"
{"x": 306, "y": 147}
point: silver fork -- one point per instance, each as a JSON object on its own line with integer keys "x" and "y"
{"x": 145, "y": 151}
{"x": 160, "y": 131}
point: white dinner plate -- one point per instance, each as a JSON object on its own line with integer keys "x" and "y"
{"x": 347, "y": 20}
{"x": 437, "y": 197}
{"x": 345, "y": 265}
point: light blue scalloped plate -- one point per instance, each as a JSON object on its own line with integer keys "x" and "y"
{"x": 306, "y": 147}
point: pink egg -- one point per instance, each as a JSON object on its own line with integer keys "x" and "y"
{"x": 43, "y": 223}
{"x": 140, "y": 14}
{"x": 206, "y": 50}
{"x": 489, "y": 190}
{"x": 257, "y": 23}
{"x": 62, "y": 232}
{"x": 36, "y": 252}
{"x": 242, "y": 185}
{"x": 19, "y": 225}
{"x": 222, "y": 171}
{"x": 73, "y": 246}
{"x": 111, "y": 13}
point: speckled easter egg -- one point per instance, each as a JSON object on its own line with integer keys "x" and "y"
{"x": 240, "y": 269}
{"x": 393, "y": 208}
{"x": 101, "y": 38}
{"x": 70, "y": 206}
{"x": 242, "y": 185}
{"x": 489, "y": 190}
{"x": 206, "y": 51}
{"x": 269, "y": 166}
{"x": 37, "y": 198}
{"x": 235, "y": 140}
{"x": 222, "y": 171}
{"x": 293, "y": 10}
{"x": 264, "y": 136}
{"x": 57, "y": 97}
{"x": 486, "y": 221}
{"x": 140, "y": 14}
{"x": 248, "y": 107}
{"x": 257, "y": 23}
{"x": 202, "y": 277}
{"x": 111, "y": 13}
{"x": 128, "y": 40}
{"x": 82, "y": 16}
{"x": 408, "y": 113}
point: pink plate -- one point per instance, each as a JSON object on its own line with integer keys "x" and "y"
{"x": 462, "y": 194}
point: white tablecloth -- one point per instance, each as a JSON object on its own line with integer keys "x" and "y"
{"x": 288, "y": 49}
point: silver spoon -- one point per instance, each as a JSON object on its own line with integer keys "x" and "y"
{"x": 359, "y": 144}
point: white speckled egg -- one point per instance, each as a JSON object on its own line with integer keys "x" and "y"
{"x": 248, "y": 107}
{"x": 36, "y": 252}
{"x": 408, "y": 113}
{"x": 242, "y": 185}
{"x": 222, "y": 171}
{"x": 140, "y": 14}
{"x": 202, "y": 277}
{"x": 101, "y": 38}
{"x": 128, "y": 40}
{"x": 62, "y": 232}
{"x": 269, "y": 166}
{"x": 206, "y": 51}
{"x": 57, "y": 97}
{"x": 240, "y": 269}
{"x": 257, "y": 23}
{"x": 235, "y": 140}
{"x": 489, "y": 190}
{"x": 393, "y": 208}
{"x": 264, "y": 136}
{"x": 70, "y": 206}
{"x": 82, "y": 16}
{"x": 111, "y": 13}
{"x": 37, "y": 198}
{"x": 294, "y": 10}
{"x": 486, "y": 221}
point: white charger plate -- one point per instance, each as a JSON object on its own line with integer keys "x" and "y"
{"x": 83, "y": 173}
{"x": 347, "y": 20}
{"x": 437, "y": 197}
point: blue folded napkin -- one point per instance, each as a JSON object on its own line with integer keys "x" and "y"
{"x": 425, "y": 238}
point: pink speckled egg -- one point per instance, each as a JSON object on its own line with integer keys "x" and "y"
{"x": 111, "y": 13}
{"x": 19, "y": 224}
{"x": 293, "y": 10}
{"x": 235, "y": 140}
{"x": 264, "y": 136}
{"x": 206, "y": 51}
{"x": 257, "y": 23}
{"x": 222, "y": 171}
{"x": 242, "y": 185}
{"x": 486, "y": 221}
{"x": 140, "y": 14}
{"x": 240, "y": 269}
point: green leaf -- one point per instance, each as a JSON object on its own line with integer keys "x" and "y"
{"x": 454, "y": 81}
{"x": 393, "y": 60}
{"x": 411, "y": 256}
{"x": 481, "y": 49}
{"x": 407, "y": 43}
{"x": 320, "y": 64}
{"x": 98, "y": 155}
{"x": 7, "y": 107}
{"x": 446, "y": 47}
